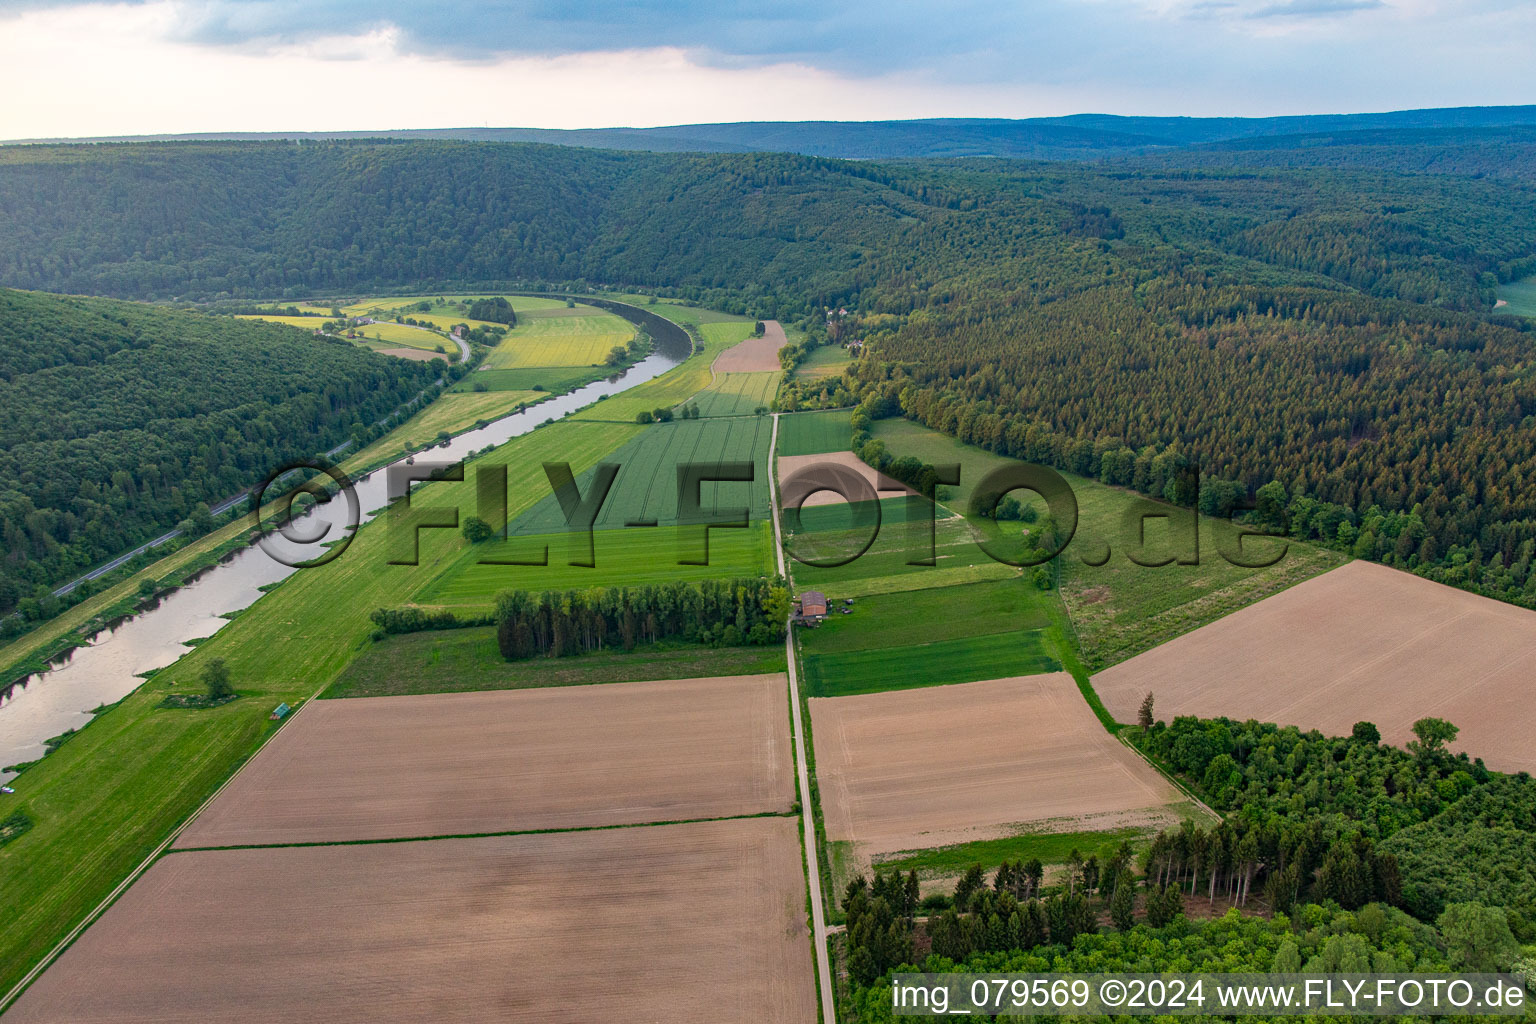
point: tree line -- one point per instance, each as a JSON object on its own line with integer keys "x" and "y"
{"x": 717, "y": 612}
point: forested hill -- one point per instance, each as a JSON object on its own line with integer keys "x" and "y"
{"x": 118, "y": 420}
{"x": 1079, "y": 136}
{"x": 1326, "y": 330}
{"x": 210, "y": 220}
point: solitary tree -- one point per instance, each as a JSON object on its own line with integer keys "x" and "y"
{"x": 1144, "y": 713}
{"x": 216, "y": 680}
{"x": 1433, "y": 734}
{"x": 476, "y": 530}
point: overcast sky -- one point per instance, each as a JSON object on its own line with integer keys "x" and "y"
{"x": 75, "y": 69}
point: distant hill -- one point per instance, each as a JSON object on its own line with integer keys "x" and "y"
{"x": 1080, "y": 136}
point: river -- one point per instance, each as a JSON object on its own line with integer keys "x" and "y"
{"x": 49, "y": 703}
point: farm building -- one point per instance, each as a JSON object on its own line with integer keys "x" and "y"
{"x": 813, "y": 602}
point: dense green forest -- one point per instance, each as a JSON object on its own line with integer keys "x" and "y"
{"x": 1321, "y": 330}
{"x": 118, "y": 421}
{"x": 1349, "y": 854}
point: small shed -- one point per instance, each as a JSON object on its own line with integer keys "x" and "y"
{"x": 813, "y": 602}
{"x": 280, "y": 711}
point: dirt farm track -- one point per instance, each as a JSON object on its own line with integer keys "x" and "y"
{"x": 513, "y": 760}
{"x": 698, "y": 922}
{"x": 894, "y": 777}
{"x": 1363, "y": 642}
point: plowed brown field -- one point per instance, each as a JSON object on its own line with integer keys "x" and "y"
{"x": 697, "y": 922}
{"x": 754, "y": 355}
{"x": 512, "y": 760}
{"x": 884, "y": 486}
{"x": 1363, "y": 642}
{"x": 913, "y": 769}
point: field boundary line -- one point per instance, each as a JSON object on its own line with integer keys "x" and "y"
{"x": 112, "y": 897}
{"x": 1177, "y": 783}
{"x": 797, "y": 734}
{"x": 502, "y": 834}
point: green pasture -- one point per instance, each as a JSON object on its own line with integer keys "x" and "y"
{"x": 824, "y": 361}
{"x": 624, "y": 558}
{"x": 459, "y": 660}
{"x": 815, "y": 433}
{"x": 825, "y": 535}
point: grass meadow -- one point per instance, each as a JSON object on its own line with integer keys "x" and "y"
{"x": 927, "y": 616}
{"x": 1521, "y": 296}
{"x": 1049, "y": 847}
{"x": 824, "y": 361}
{"x": 460, "y": 660}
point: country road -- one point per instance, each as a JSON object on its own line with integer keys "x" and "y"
{"x": 812, "y": 867}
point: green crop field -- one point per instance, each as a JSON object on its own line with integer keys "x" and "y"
{"x": 458, "y": 660}
{"x": 1520, "y": 296}
{"x": 815, "y": 433}
{"x": 624, "y": 558}
{"x": 560, "y": 339}
{"x": 556, "y": 380}
{"x": 996, "y": 656}
{"x": 646, "y": 485}
{"x": 738, "y": 394}
{"x": 927, "y": 616}
{"x": 1121, "y": 608}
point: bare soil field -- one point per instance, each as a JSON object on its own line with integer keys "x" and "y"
{"x": 916, "y": 769}
{"x": 512, "y": 760}
{"x": 885, "y": 487}
{"x": 1362, "y": 642}
{"x": 755, "y": 355}
{"x": 696, "y": 922}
